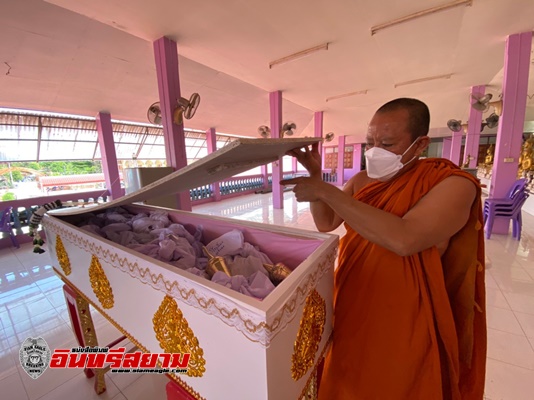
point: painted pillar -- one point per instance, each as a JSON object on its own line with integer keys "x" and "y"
{"x": 318, "y": 130}
{"x": 456, "y": 147}
{"x": 265, "y": 173}
{"x": 275, "y": 102}
{"x": 211, "y": 142}
{"x": 511, "y": 122}
{"x": 472, "y": 140}
{"x": 446, "y": 148}
{"x": 166, "y": 55}
{"x": 357, "y": 157}
{"x": 109, "y": 156}
{"x": 340, "y": 160}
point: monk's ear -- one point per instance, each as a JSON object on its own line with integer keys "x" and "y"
{"x": 422, "y": 144}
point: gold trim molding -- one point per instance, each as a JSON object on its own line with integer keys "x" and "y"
{"x": 309, "y": 335}
{"x": 62, "y": 256}
{"x": 100, "y": 283}
{"x": 175, "y": 336}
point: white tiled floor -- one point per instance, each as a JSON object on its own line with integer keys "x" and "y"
{"x": 31, "y": 303}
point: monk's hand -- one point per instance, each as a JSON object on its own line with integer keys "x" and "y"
{"x": 306, "y": 189}
{"x": 310, "y": 159}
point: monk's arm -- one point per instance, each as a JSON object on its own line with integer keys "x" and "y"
{"x": 434, "y": 219}
{"x": 324, "y": 216}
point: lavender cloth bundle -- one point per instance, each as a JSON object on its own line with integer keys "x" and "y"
{"x": 156, "y": 236}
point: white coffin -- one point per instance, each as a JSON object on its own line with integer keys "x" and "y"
{"x": 251, "y": 349}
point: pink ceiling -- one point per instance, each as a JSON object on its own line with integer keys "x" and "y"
{"x": 83, "y": 57}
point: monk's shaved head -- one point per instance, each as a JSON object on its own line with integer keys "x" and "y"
{"x": 419, "y": 115}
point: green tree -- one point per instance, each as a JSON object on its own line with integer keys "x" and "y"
{"x": 9, "y": 196}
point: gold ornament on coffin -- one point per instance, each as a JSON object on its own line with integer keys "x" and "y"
{"x": 215, "y": 264}
{"x": 62, "y": 256}
{"x": 175, "y": 336}
{"x": 100, "y": 283}
{"x": 277, "y": 272}
{"x": 309, "y": 335}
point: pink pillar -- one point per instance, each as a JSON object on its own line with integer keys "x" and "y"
{"x": 166, "y": 55}
{"x": 357, "y": 157}
{"x": 318, "y": 129}
{"x": 456, "y": 147}
{"x": 265, "y": 173}
{"x": 511, "y": 122}
{"x": 340, "y": 160}
{"x": 295, "y": 165}
{"x": 446, "y": 148}
{"x": 275, "y": 101}
{"x": 211, "y": 142}
{"x": 109, "y": 156}
{"x": 472, "y": 140}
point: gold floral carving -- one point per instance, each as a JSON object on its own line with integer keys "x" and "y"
{"x": 62, "y": 256}
{"x": 129, "y": 335}
{"x": 100, "y": 283}
{"x": 309, "y": 335}
{"x": 175, "y": 335}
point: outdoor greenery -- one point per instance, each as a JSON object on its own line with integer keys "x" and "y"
{"x": 8, "y": 196}
{"x": 49, "y": 168}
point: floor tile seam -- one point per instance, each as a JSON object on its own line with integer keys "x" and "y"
{"x": 68, "y": 380}
{"x": 509, "y": 363}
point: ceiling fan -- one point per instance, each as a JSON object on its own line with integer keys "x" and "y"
{"x": 184, "y": 109}
{"x": 454, "y": 125}
{"x": 154, "y": 114}
{"x": 491, "y": 122}
{"x": 264, "y": 131}
{"x": 287, "y": 130}
{"x": 480, "y": 103}
{"x": 329, "y": 137}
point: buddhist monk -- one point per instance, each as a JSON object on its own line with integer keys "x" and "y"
{"x": 409, "y": 298}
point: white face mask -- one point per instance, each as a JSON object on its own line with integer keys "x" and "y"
{"x": 383, "y": 164}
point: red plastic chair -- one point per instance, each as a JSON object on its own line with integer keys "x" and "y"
{"x": 5, "y": 226}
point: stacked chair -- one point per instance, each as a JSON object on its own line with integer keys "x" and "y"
{"x": 509, "y": 207}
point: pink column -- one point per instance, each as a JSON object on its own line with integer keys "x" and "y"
{"x": 357, "y": 157}
{"x": 511, "y": 122}
{"x": 318, "y": 129}
{"x": 446, "y": 148}
{"x": 295, "y": 165}
{"x": 472, "y": 140}
{"x": 456, "y": 147}
{"x": 340, "y": 160}
{"x": 166, "y": 55}
{"x": 275, "y": 101}
{"x": 265, "y": 173}
{"x": 211, "y": 142}
{"x": 109, "y": 156}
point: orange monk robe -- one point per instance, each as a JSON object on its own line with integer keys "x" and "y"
{"x": 409, "y": 327}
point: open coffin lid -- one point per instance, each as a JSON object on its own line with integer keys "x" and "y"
{"x": 277, "y": 334}
{"x": 236, "y": 157}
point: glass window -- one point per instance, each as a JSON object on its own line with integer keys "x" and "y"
{"x": 18, "y": 132}
{"x": 18, "y": 150}
{"x": 152, "y": 152}
{"x": 56, "y": 150}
